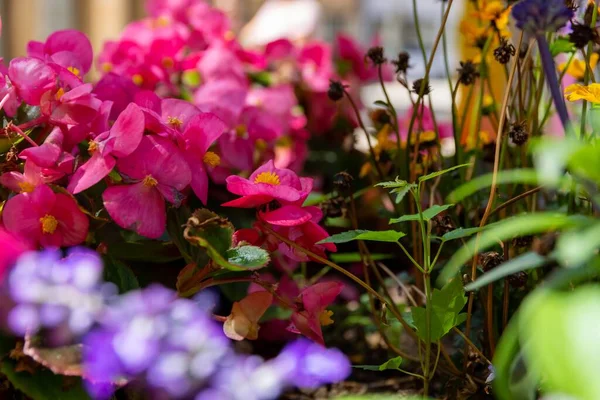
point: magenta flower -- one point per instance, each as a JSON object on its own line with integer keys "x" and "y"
{"x": 31, "y": 78}
{"x": 73, "y": 107}
{"x": 46, "y": 218}
{"x": 202, "y": 131}
{"x": 316, "y": 66}
{"x": 26, "y": 182}
{"x": 266, "y": 184}
{"x": 157, "y": 171}
{"x": 221, "y": 63}
{"x": 166, "y": 117}
{"x": 120, "y": 141}
{"x": 306, "y": 235}
{"x": 117, "y": 89}
{"x": 224, "y": 98}
{"x": 314, "y": 313}
{"x": 50, "y": 155}
{"x": 12, "y": 247}
{"x": 69, "y": 49}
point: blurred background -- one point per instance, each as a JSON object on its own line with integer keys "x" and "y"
{"x": 257, "y": 22}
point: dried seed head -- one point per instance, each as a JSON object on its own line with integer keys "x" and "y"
{"x": 545, "y": 244}
{"x": 336, "y": 90}
{"x": 342, "y": 181}
{"x": 518, "y": 279}
{"x": 582, "y": 34}
{"x": 375, "y": 54}
{"x": 421, "y": 85}
{"x": 443, "y": 224}
{"x": 523, "y": 241}
{"x": 491, "y": 260}
{"x": 401, "y": 62}
{"x": 467, "y": 73}
{"x": 504, "y": 52}
{"x": 518, "y": 133}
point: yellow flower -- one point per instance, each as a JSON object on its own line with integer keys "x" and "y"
{"x": 495, "y": 12}
{"x": 577, "y": 67}
{"x": 590, "y": 93}
{"x": 476, "y": 36}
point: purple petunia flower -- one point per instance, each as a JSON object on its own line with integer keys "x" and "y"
{"x": 63, "y": 295}
{"x": 540, "y": 16}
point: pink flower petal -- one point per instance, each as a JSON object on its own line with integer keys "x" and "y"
{"x": 288, "y": 215}
{"x": 73, "y": 224}
{"x": 32, "y": 78}
{"x": 90, "y": 173}
{"x": 248, "y": 201}
{"x": 137, "y": 207}
{"x": 74, "y": 42}
{"x": 127, "y": 131}
{"x": 318, "y": 296}
{"x": 202, "y": 131}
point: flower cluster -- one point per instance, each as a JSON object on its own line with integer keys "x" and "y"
{"x": 170, "y": 343}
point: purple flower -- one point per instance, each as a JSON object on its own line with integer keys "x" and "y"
{"x": 63, "y": 295}
{"x": 310, "y": 365}
{"x": 540, "y": 16}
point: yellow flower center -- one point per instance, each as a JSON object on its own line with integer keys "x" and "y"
{"x": 229, "y": 35}
{"x": 92, "y": 147}
{"x": 241, "y": 130}
{"x": 270, "y": 178}
{"x": 75, "y": 71}
{"x": 107, "y": 67}
{"x": 260, "y": 144}
{"x": 211, "y": 159}
{"x": 49, "y": 224}
{"x": 161, "y": 22}
{"x": 168, "y": 62}
{"x": 325, "y": 317}
{"x": 174, "y": 122}
{"x": 59, "y": 93}
{"x": 137, "y": 79}
{"x": 26, "y": 187}
{"x": 149, "y": 181}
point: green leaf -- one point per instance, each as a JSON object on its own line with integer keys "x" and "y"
{"x": 459, "y": 233}
{"x": 213, "y": 228}
{"x": 393, "y": 363}
{"x": 400, "y": 193}
{"x": 43, "y": 385}
{"x": 551, "y": 155}
{"x": 442, "y": 172}
{"x": 524, "y": 176}
{"x": 359, "y": 234}
{"x": 524, "y": 262}
{"x": 521, "y": 225}
{"x": 367, "y": 367}
{"x": 446, "y": 305}
{"x": 567, "y": 323}
{"x": 381, "y": 103}
{"x": 396, "y": 183}
{"x": 120, "y": 274}
{"x": 427, "y": 214}
{"x": 355, "y": 257}
{"x": 191, "y": 77}
{"x": 561, "y": 45}
{"x": 248, "y": 257}
{"x": 575, "y": 248}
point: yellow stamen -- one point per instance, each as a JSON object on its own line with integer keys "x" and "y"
{"x": 92, "y": 147}
{"x": 325, "y": 317}
{"x": 260, "y": 144}
{"x": 161, "y": 22}
{"x": 26, "y": 187}
{"x": 174, "y": 122}
{"x": 59, "y": 93}
{"x": 168, "y": 62}
{"x": 149, "y": 181}
{"x": 211, "y": 159}
{"x": 229, "y": 36}
{"x": 241, "y": 130}
{"x": 107, "y": 67}
{"x": 137, "y": 79}
{"x": 270, "y": 178}
{"x": 75, "y": 71}
{"x": 49, "y": 224}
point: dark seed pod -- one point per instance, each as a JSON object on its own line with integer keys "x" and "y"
{"x": 518, "y": 279}
{"x": 523, "y": 241}
{"x": 401, "y": 62}
{"x": 342, "y": 181}
{"x": 336, "y": 90}
{"x": 467, "y": 73}
{"x": 491, "y": 260}
{"x": 504, "y": 52}
{"x": 375, "y": 54}
{"x": 380, "y": 117}
{"x": 518, "y": 133}
{"x": 582, "y": 34}
{"x": 421, "y": 84}
{"x": 334, "y": 208}
{"x": 444, "y": 224}
{"x": 545, "y": 244}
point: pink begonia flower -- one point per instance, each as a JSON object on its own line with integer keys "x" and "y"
{"x": 158, "y": 171}
{"x": 117, "y": 89}
{"x": 50, "y": 155}
{"x": 316, "y": 66}
{"x": 220, "y": 63}
{"x": 314, "y": 313}
{"x": 166, "y": 117}
{"x": 75, "y": 134}
{"x": 202, "y": 131}
{"x": 73, "y": 107}
{"x": 8, "y": 95}
{"x": 120, "y": 141}
{"x": 351, "y": 52}
{"x": 306, "y": 235}
{"x": 12, "y": 247}
{"x": 224, "y": 98}
{"x": 25, "y": 182}
{"x": 69, "y": 49}
{"x": 266, "y": 184}
{"x": 31, "y": 78}
{"x": 46, "y": 218}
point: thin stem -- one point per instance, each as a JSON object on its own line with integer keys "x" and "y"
{"x": 392, "y": 109}
{"x": 415, "y": 263}
{"x": 16, "y": 129}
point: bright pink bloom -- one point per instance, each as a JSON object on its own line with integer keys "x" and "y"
{"x": 158, "y": 171}
{"x": 306, "y": 235}
{"x": 224, "y": 98}
{"x": 50, "y": 155}
{"x": 118, "y": 89}
{"x": 266, "y": 184}
{"x": 314, "y": 314}
{"x": 352, "y": 53}
{"x": 220, "y": 63}
{"x": 316, "y": 66}
{"x": 166, "y": 117}
{"x": 70, "y": 49}
{"x": 74, "y": 107}
{"x": 12, "y": 248}
{"x": 202, "y": 131}
{"x": 46, "y": 218}
{"x": 32, "y": 177}
{"x": 31, "y": 78}
{"x": 120, "y": 141}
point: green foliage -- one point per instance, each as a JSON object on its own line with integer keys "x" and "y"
{"x": 342, "y": 258}
{"x": 529, "y": 260}
{"x": 442, "y": 172}
{"x": 523, "y": 176}
{"x": 459, "y": 233}
{"x": 120, "y": 274}
{"x": 446, "y": 305}
{"x": 248, "y": 257}
{"x": 360, "y": 234}
{"x": 428, "y": 214}
{"x": 562, "y": 45}
{"x": 393, "y": 363}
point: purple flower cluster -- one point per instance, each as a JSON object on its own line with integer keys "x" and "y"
{"x": 541, "y": 16}
{"x": 152, "y": 336}
{"x": 60, "y": 295}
